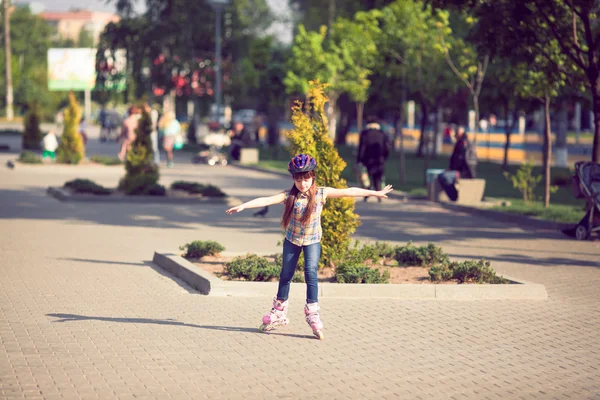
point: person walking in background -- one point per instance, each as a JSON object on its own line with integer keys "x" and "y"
{"x": 128, "y": 128}
{"x": 302, "y": 207}
{"x": 461, "y": 164}
{"x": 154, "y": 134}
{"x": 169, "y": 129}
{"x": 82, "y": 131}
{"x": 373, "y": 151}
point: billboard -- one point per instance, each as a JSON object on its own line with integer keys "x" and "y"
{"x": 71, "y": 69}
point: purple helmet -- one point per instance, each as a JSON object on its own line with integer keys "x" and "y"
{"x": 302, "y": 163}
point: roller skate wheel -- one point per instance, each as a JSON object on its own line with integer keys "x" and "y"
{"x": 319, "y": 335}
{"x": 262, "y": 328}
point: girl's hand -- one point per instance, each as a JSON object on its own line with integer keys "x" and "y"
{"x": 235, "y": 209}
{"x": 382, "y": 194}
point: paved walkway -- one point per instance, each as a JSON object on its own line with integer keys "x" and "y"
{"x": 85, "y": 314}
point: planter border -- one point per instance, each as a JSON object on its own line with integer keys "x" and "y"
{"x": 66, "y": 195}
{"x": 208, "y": 284}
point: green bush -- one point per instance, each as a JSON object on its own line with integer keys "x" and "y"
{"x": 360, "y": 274}
{"x": 252, "y": 268}
{"x": 32, "y": 134}
{"x": 358, "y": 256}
{"x": 422, "y": 256}
{"x": 29, "y": 157}
{"x": 466, "y": 271}
{"x": 156, "y": 190}
{"x": 86, "y": 186}
{"x": 106, "y": 160}
{"x": 197, "y": 188}
{"x": 311, "y": 136}
{"x": 199, "y": 248}
{"x": 141, "y": 172}
{"x": 71, "y": 149}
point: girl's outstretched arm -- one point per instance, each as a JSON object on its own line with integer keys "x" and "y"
{"x": 258, "y": 202}
{"x": 331, "y": 193}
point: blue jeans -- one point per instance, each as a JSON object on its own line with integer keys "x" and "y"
{"x": 291, "y": 253}
{"x": 447, "y": 181}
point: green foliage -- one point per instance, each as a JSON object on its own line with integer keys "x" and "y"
{"x": 198, "y": 188}
{"x": 422, "y": 256}
{"x": 32, "y": 134}
{"x": 252, "y": 268}
{"x": 29, "y": 157}
{"x": 357, "y": 256}
{"x": 105, "y": 160}
{"x": 199, "y": 249}
{"x": 524, "y": 180}
{"x": 311, "y": 136}
{"x": 360, "y": 274}
{"x": 86, "y": 186}
{"x": 466, "y": 272}
{"x": 71, "y": 149}
{"x": 141, "y": 172}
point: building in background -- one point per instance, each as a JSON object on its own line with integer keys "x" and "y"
{"x": 69, "y": 24}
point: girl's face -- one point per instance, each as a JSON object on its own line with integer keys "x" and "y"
{"x": 303, "y": 183}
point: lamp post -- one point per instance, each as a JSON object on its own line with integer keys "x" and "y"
{"x": 218, "y": 5}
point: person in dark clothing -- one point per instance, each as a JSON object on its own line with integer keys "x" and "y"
{"x": 373, "y": 151}
{"x": 461, "y": 165}
{"x": 240, "y": 138}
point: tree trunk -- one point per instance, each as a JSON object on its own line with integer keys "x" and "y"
{"x": 422, "y": 139}
{"x": 402, "y": 157}
{"x": 476, "y": 107}
{"x": 507, "y": 132}
{"x": 360, "y": 108}
{"x": 596, "y": 110}
{"x": 547, "y": 151}
{"x": 273, "y": 126}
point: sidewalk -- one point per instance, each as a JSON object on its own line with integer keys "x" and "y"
{"x": 85, "y": 314}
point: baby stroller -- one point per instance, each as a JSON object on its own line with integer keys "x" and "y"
{"x": 586, "y": 184}
{"x": 211, "y": 155}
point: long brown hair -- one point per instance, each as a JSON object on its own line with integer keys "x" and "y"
{"x": 288, "y": 206}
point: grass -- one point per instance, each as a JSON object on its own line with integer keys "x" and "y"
{"x": 564, "y": 206}
{"x": 555, "y": 212}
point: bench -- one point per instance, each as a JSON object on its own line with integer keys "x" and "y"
{"x": 249, "y": 156}
{"x": 470, "y": 192}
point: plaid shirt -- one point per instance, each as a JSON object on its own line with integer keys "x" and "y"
{"x": 312, "y": 231}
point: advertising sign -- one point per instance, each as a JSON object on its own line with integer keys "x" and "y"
{"x": 71, "y": 69}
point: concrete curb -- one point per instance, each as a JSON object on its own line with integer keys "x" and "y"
{"x": 65, "y": 195}
{"x": 208, "y": 284}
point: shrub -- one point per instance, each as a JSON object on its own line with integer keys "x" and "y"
{"x": 298, "y": 277}
{"x": 29, "y": 157}
{"x": 466, "y": 271}
{"x": 199, "y": 248}
{"x": 32, "y": 134}
{"x": 198, "y": 188}
{"x": 428, "y": 255}
{"x": 360, "y": 274}
{"x": 311, "y": 136}
{"x": 358, "y": 256}
{"x": 106, "y": 160}
{"x": 155, "y": 190}
{"x": 252, "y": 268}
{"x": 525, "y": 180}
{"x": 71, "y": 149}
{"x": 141, "y": 172}
{"x": 86, "y": 186}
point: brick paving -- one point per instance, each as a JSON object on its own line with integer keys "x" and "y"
{"x": 85, "y": 314}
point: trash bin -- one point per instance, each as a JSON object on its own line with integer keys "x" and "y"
{"x": 432, "y": 185}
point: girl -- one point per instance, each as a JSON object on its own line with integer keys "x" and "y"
{"x": 301, "y": 219}
{"x": 170, "y": 129}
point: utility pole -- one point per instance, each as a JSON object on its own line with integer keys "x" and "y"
{"x": 7, "y": 53}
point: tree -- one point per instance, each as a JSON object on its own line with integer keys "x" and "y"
{"x": 310, "y": 136}
{"x": 471, "y": 63}
{"x": 313, "y": 58}
{"x": 71, "y": 149}
{"x": 575, "y": 26}
{"x": 141, "y": 173}
{"x": 356, "y": 43}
